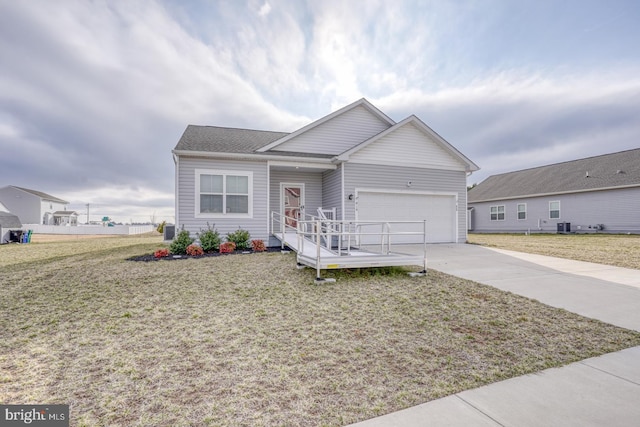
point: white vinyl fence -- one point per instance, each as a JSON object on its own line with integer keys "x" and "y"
{"x": 88, "y": 229}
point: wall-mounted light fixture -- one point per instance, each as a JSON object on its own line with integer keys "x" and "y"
{"x": 350, "y": 197}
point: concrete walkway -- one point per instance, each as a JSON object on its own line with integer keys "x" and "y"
{"x": 602, "y": 391}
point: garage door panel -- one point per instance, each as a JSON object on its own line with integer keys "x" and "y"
{"x": 438, "y": 210}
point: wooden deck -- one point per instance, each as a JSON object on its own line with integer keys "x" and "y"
{"x": 322, "y": 258}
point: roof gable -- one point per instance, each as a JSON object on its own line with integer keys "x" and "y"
{"x": 616, "y": 170}
{"x": 335, "y": 132}
{"x": 43, "y": 196}
{"x": 409, "y": 143}
{"x": 359, "y": 130}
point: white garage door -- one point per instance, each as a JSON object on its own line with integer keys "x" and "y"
{"x": 438, "y": 210}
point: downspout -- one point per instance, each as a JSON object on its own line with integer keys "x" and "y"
{"x": 176, "y": 161}
{"x": 467, "y": 214}
{"x": 269, "y": 230}
{"x": 342, "y": 196}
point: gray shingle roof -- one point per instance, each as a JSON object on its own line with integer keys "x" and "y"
{"x": 42, "y": 195}
{"x": 216, "y": 139}
{"x": 606, "y": 171}
{"x": 9, "y": 220}
{"x": 225, "y": 140}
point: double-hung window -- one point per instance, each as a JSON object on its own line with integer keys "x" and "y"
{"x": 554, "y": 210}
{"x": 497, "y": 213}
{"x": 224, "y": 194}
{"x": 522, "y": 211}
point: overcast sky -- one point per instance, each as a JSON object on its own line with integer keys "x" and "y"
{"x": 95, "y": 94}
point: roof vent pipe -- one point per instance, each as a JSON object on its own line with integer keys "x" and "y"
{"x": 586, "y": 175}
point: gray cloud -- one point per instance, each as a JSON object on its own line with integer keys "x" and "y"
{"x": 511, "y": 122}
{"x": 94, "y": 95}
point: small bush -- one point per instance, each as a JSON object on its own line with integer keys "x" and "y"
{"x": 160, "y": 228}
{"x": 227, "y": 247}
{"x": 258, "y": 245}
{"x": 209, "y": 239}
{"x": 194, "y": 250}
{"x": 180, "y": 243}
{"x": 240, "y": 237}
{"x": 161, "y": 253}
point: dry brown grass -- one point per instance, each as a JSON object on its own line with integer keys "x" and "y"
{"x": 60, "y": 247}
{"x": 42, "y": 238}
{"x": 249, "y": 340}
{"x": 609, "y": 249}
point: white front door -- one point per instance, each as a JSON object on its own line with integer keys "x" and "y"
{"x": 292, "y": 202}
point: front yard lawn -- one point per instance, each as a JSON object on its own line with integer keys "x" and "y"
{"x": 610, "y": 249}
{"x": 249, "y": 340}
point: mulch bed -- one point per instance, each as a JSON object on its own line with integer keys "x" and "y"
{"x": 172, "y": 257}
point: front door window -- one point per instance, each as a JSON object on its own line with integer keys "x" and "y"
{"x": 293, "y": 203}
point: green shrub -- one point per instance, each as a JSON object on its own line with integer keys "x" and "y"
{"x": 209, "y": 239}
{"x": 180, "y": 243}
{"x": 241, "y": 238}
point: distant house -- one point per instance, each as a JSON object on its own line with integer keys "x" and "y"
{"x": 33, "y": 207}
{"x": 596, "y": 194}
{"x": 356, "y": 162}
{"x": 65, "y": 218}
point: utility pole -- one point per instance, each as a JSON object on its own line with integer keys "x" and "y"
{"x": 87, "y": 213}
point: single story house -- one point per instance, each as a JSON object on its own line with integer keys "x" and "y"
{"x": 596, "y": 194}
{"x": 31, "y": 206}
{"x": 355, "y": 161}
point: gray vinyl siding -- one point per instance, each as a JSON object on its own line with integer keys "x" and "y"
{"x": 332, "y": 190}
{"x": 618, "y": 210}
{"x": 395, "y": 178}
{"x": 312, "y": 192}
{"x": 338, "y": 134}
{"x": 408, "y": 146}
{"x": 312, "y": 189}
{"x": 257, "y": 225}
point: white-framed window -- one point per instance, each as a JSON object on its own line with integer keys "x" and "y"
{"x": 497, "y": 213}
{"x": 554, "y": 210}
{"x": 224, "y": 194}
{"x": 522, "y": 211}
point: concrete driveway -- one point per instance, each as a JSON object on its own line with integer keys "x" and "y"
{"x": 600, "y": 391}
{"x": 606, "y": 293}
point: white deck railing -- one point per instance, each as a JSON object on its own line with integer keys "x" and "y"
{"x": 329, "y": 238}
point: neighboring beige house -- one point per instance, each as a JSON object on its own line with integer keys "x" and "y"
{"x": 36, "y": 207}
